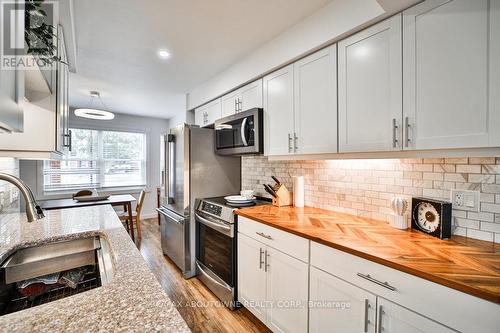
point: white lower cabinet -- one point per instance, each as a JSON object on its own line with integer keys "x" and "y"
{"x": 393, "y": 318}
{"x": 272, "y": 285}
{"x": 337, "y": 306}
{"x": 251, "y": 275}
{"x": 286, "y": 289}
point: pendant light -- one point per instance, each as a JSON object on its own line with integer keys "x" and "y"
{"x": 92, "y": 112}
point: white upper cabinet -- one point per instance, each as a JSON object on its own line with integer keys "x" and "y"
{"x": 245, "y": 98}
{"x": 359, "y": 314}
{"x": 230, "y": 103}
{"x": 207, "y": 114}
{"x": 370, "y": 88}
{"x": 12, "y": 81}
{"x": 278, "y": 112}
{"x": 315, "y": 97}
{"x": 451, "y": 74}
{"x": 251, "y": 96}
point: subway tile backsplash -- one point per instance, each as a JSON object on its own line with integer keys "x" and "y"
{"x": 366, "y": 187}
{"x": 9, "y": 194}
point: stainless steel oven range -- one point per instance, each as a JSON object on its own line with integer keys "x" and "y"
{"x": 216, "y": 246}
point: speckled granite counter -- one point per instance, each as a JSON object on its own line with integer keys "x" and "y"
{"x": 132, "y": 301}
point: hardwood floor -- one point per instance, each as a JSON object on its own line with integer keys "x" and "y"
{"x": 197, "y": 305}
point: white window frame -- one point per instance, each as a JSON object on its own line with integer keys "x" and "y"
{"x": 42, "y": 194}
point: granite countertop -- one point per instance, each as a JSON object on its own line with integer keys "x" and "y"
{"x": 468, "y": 265}
{"x": 133, "y": 301}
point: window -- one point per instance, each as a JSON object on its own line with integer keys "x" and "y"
{"x": 99, "y": 159}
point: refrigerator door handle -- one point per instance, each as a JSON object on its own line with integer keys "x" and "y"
{"x": 163, "y": 211}
{"x": 169, "y": 185}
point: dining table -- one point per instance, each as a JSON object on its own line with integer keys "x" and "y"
{"x": 124, "y": 200}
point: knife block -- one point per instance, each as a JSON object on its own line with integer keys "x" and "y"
{"x": 283, "y": 196}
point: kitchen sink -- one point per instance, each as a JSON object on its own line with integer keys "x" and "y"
{"x": 43, "y": 273}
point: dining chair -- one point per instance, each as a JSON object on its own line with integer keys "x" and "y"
{"x": 136, "y": 216}
{"x": 82, "y": 193}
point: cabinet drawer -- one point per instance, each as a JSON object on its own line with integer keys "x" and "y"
{"x": 448, "y": 306}
{"x": 292, "y": 245}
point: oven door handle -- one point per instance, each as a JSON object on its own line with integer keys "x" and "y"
{"x": 217, "y": 281}
{"x": 243, "y": 128}
{"x": 214, "y": 225}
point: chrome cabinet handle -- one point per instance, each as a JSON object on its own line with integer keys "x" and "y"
{"x": 380, "y": 283}
{"x": 380, "y": 314}
{"x": 289, "y": 143}
{"x": 266, "y": 265}
{"x": 260, "y": 258}
{"x": 407, "y": 132}
{"x": 264, "y": 235}
{"x": 70, "y": 141}
{"x": 394, "y": 133}
{"x": 70, "y": 137}
{"x": 367, "y": 305}
{"x": 295, "y": 139}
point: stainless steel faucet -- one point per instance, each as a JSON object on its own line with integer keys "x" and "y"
{"x": 33, "y": 210}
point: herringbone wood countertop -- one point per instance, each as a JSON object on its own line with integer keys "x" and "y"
{"x": 469, "y": 265}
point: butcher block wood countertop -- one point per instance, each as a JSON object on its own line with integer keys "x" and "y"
{"x": 468, "y": 265}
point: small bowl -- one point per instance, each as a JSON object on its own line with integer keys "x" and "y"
{"x": 247, "y": 194}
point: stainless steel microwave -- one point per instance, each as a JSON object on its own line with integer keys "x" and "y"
{"x": 241, "y": 133}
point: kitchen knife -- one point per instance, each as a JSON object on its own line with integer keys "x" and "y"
{"x": 276, "y": 180}
{"x": 270, "y": 190}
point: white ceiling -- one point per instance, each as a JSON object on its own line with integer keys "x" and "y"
{"x": 117, "y": 41}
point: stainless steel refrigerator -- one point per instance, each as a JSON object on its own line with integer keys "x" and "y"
{"x": 192, "y": 170}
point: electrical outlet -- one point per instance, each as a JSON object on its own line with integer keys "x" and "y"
{"x": 465, "y": 200}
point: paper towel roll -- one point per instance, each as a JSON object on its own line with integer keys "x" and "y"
{"x": 298, "y": 191}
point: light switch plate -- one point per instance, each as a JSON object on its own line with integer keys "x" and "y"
{"x": 465, "y": 200}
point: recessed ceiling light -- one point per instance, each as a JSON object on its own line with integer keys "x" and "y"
{"x": 164, "y": 54}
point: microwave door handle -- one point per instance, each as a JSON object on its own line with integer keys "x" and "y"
{"x": 243, "y": 129}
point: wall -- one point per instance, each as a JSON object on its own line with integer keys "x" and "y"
{"x": 366, "y": 187}
{"x": 336, "y": 20}
{"x": 153, "y": 127}
{"x": 9, "y": 194}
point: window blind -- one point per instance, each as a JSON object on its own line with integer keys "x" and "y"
{"x": 99, "y": 159}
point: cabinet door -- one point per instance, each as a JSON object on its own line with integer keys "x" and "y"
{"x": 316, "y": 102}
{"x": 63, "y": 141}
{"x": 446, "y": 85}
{"x": 337, "y": 306}
{"x": 251, "y": 95}
{"x": 207, "y": 114}
{"x": 12, "y": 81}
{"x": 396, "y": 319}
{"x": 251, "y": 275}
{"x": 278, "y": 111}
{"x": 287, "y": 292}
{"x": 370, "y": 88}
{"x": 230, "y": 103}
